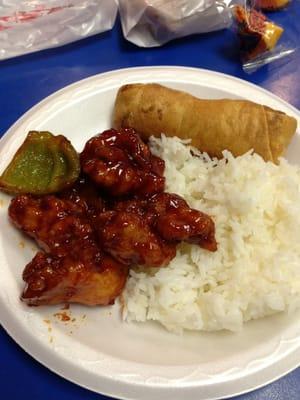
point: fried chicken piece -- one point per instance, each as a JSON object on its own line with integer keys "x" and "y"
{"x": 94, "y": 279}
{"x": 128, "y": 237}
{"x": 169, "y": 217}
{"x": 135, "y": 205}
{"x": 59, "y": 226}
{"x": 146, "y": 231}
{"x": 75, "y": 269}
{"x": 85, "y": 194}
{"x": 76, "y": 229}
{"x": 121, "y": 164}
{"x": 173, "y": 219}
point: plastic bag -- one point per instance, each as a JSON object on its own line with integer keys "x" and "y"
{"x": 263, "y": 38}
{"x": 31, "y": 25}
{"x": 149, "y": 23}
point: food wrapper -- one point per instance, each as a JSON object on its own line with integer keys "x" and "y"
{"x": 31, "y": 25}
{"x": 263, "y": 40}
{"x": 149, "y": 23}
{"x": 271, "y": 5}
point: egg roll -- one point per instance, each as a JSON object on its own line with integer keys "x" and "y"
{"x": 212, "y": 125}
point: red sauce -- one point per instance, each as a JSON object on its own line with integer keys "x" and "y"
{"x": 116, "y": 217}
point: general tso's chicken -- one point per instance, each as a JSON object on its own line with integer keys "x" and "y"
{"x": 173, "y": 219}
{"x": 85, "y": 194}
{"x": 121, "y": 164}
{"x": 59, "y": 226}
{"x": 129, "y": 239}
{"x": 146, "y": 231}
{"x": 97, "y": 280}
{"x": 89, "y": 243}
{"x": 74, "y": 268}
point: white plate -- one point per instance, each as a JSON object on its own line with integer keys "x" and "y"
{"x": 136, "y": 361}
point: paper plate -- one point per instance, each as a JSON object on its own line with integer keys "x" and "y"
{"x": 94, "y": 348}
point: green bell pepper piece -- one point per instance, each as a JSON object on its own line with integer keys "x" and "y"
{"x": 43, "y": 164}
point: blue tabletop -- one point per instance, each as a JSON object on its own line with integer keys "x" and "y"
{"x": 26, "y": 80}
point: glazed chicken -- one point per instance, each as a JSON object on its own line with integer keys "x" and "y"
{"x": 170, "y": 216}
{"x": 146, "y": 231}
{"x": 121, "y": 164}
{"x": 74, "y": 268}
{"x": 115, "y": 215}
{"x": 173, "y": 219}
{"x": 59, "y": 226}
{"x": 86, "y": 196}
{"x": 92, "y": 279}
{"x": 128, "y": 238}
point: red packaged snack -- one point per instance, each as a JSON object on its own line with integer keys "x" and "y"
{"x": 256, "y": 33}
{"x": 271, "y": 5}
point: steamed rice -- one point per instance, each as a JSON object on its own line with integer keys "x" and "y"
{"x": 256, "y": 269}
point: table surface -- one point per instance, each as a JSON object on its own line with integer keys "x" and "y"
{"x": 26, "y": 80}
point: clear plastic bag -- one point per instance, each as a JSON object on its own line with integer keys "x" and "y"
{"x": 31, "y": 25}
{"x": 263, "y": 37}
{"x": 149, "y": 23}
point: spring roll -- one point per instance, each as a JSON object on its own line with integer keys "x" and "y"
{"x": 212, "y": 125}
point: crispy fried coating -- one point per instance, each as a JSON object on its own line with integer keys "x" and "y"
{"x": 57, "y": 225}
{"x": 146, "y": 231}
{"x": 173, "y": 219}
{"x": 89, "y": 243}
{"x": 211, "y": 125}
{"x": 94, "y": 279}
{"x": 129, "y": 239}
{"x": 75, "y": 268}
{"x": 85, "y": 194}
{"x": 121, "y": 164}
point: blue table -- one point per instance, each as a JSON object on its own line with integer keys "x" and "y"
{"x": 24, "y": 81}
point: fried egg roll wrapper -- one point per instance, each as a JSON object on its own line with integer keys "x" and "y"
{"x": 212, "y": 125}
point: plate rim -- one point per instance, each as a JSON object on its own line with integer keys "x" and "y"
{"x": 136, "y": 388}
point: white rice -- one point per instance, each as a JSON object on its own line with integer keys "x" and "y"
{"x": 256, "y": 269}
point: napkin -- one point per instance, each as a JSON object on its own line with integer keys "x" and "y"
{"x": 149, "y": 23}
{"x": 31, "y": 25}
